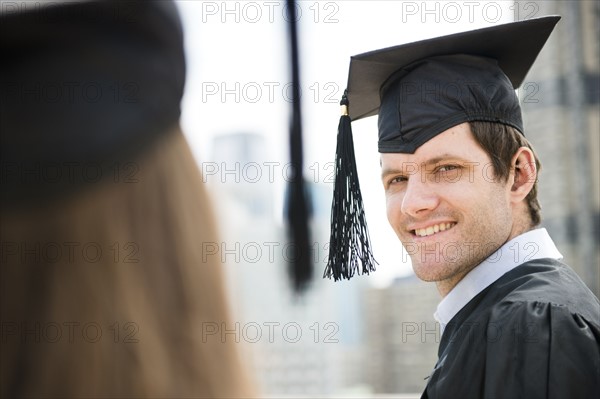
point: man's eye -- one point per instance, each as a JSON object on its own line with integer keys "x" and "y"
{"x": 398, "y": 179}
{"x": 446, "y": 168}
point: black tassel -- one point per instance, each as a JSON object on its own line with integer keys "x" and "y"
{"x": 349, "y": 246}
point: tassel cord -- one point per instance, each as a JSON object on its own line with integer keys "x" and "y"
{"x": 349, "y": 241}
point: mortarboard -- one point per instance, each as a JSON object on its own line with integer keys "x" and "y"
{"x": 419, "y": 90}
{"x": 84, "y": 86}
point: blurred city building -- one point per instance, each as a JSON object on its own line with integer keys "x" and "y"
{"x": 307, "y": 345}
{"x": 561, "y": 106}
{"x": 402, "y": 336}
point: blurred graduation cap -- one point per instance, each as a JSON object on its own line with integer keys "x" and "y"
{"x": 83, "y": 85}
{"x": 419, "y": 90}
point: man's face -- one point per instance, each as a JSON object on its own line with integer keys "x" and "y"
{"x": 445, "y": 205}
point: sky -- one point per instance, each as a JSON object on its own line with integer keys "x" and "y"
{"x": 238, "y": 82}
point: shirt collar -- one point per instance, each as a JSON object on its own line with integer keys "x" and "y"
{"x": 534, "y": 244}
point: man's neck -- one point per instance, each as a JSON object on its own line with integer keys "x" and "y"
{"x": 445, "y": 286}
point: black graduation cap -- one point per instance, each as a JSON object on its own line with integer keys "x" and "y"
{"x": 419, "y": 90}
{"x": 83, "y": 87}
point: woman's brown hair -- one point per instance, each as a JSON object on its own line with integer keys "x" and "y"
{"x": 106, "y": 292}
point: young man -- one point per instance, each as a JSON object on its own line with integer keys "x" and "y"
{"x": 460, "y": 182}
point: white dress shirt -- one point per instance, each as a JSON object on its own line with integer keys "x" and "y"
{"x": 534, "y": 244}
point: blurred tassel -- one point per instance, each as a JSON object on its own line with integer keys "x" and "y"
{"x": 301, "y": 267}
{"x": 349, "y": 245}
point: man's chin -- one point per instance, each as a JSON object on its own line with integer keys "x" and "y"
{"x": 436, "y": 271}
{"x": 428, "y": 273}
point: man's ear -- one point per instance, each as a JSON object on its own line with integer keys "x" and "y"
{"x": 524, "y": 174}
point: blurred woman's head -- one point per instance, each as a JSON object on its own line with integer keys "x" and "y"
{"x": 105, "y": 291}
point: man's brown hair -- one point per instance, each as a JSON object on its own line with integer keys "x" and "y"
{"x": 501, "y": 142}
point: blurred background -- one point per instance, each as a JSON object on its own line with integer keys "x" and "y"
{"x": 375, "y": 335}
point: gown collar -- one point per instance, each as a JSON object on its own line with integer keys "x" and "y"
{"x": 531, "y": 245}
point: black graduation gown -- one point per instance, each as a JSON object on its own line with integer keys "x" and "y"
{"x": 534, "y": 333}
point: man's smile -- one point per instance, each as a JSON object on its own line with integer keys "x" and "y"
{"x": 432, "y": 229}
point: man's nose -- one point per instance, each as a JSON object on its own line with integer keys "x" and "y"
{"x": 419, "y": 197}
